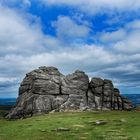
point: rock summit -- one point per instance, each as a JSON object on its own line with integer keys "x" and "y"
{"x": 45, "y": 90}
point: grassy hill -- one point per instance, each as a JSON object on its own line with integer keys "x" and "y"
{"x": 74, "y": 126}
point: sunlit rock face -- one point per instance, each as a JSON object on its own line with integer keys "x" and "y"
{"x": 45, "y": 90}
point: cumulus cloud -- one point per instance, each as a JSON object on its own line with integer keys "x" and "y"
{"x": 125, "y": 40}
{"x": 18, "y": 35}
{"x": 135, "y": 25}
{"x": 113, "y": 36}
{"x": 67, "y": 29}
{"x": 131, "y": 40}
{"x": 130, "y": 44}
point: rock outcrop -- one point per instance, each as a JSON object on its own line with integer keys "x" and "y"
{"x": 45, "y": 89}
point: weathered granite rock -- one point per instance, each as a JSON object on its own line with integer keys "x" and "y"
{"x": 118, "y": 102}
{"x": 76, "y": 86}
{"x": 127, "y": 104}
{"x": 45, "y": 90}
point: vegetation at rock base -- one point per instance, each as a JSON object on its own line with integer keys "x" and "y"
{"x": 4, "y": 109}
{"x": 111, "y": 125}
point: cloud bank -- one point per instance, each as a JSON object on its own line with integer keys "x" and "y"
{"x": 75, "y": 45}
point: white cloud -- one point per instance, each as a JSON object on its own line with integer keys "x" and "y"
{"x": 130, "y": 44}
{"x": 66, "y": 58}
{"x": 131, "y": 40}
{"x": 68, "y": 29}
{"x": 100, "y": 6}
{"x": 22, "y": 4}
{"x": 135, "y": 25}
{"x": 7, "y": 79}
{"x": 22, "y": 34}
{"x": 94, "y": 60}
{"x": 125, "y": 40}
{"x": 19, "y": 35}
{"x": 27, "y": 2}
{"x": 112, "y": 36}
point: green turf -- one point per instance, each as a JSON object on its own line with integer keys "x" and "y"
{"x": 119, "y": 126}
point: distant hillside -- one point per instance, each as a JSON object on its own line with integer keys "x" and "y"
{"x": 7, "y": 101}
{"x": 135, "y": 98}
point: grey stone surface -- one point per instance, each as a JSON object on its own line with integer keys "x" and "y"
{"x": 45, "y": 90}
{"x": 76, "y": 83}
{"x": 126, "y": 104}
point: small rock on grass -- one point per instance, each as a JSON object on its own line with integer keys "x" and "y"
{"x": 100, "y": 122}
{"x": 122, "y": 120}
{"x": 61, "y": 129}
{"x": 83, "y": 138}
{"x": 113, "y": 131}
{"x": 42, "y": 130}
{"x": 79, "y": 125}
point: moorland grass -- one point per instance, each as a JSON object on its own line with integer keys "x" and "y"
{"x": 119, "y": 125}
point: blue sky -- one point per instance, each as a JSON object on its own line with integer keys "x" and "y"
{"x": 100, "y": 37}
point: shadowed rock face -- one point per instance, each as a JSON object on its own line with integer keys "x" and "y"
{"x": 45, "y": 89}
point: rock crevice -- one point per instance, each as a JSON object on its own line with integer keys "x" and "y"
{"x": 45, "y": 89}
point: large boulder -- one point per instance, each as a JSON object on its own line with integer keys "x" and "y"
{"x": 45, "y": 89}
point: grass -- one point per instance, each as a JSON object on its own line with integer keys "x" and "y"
{"x": 78, "y": 126}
